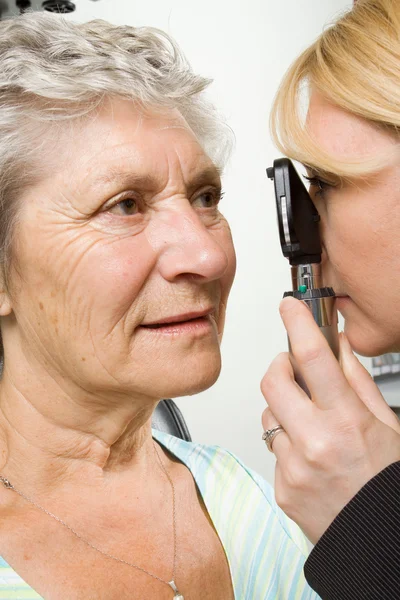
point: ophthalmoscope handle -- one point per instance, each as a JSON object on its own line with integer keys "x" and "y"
{"x": 321, "y": 303}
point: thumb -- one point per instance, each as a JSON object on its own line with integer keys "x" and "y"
{"x": 364, "y": 386}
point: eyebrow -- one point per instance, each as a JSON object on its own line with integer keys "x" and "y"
{"x": 206, "y": 176}
{"x": 113, "y": 177}
{"x": 210, "y": 174}
{"x": 329, "y": 176}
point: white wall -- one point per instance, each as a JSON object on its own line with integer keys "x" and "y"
{"x": 245, "y": 47}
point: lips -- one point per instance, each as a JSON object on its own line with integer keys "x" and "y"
{"x": 182, "y": 318}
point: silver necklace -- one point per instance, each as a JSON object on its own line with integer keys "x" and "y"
{"x": 172, "y": 584}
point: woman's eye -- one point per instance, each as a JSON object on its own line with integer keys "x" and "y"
{"x": 208, "y": 199}
{"x": 320, "y": 184}
{"x": 126, "y": 207}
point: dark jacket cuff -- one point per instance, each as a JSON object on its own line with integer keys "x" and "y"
{"x": 358, "y": 557}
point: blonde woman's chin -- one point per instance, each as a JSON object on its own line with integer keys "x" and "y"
{"x": 368, "y": 339}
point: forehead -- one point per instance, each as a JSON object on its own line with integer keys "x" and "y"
{"x": 123, "y": 138}
{"x": 341, "y": 133}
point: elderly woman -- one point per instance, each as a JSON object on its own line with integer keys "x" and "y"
{"x": 338, "y": 461}
{"x": 116, "y": 265}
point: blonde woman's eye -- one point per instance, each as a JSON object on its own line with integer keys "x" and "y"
{"x": 126, "y": 207}
{"x": 320, "y": 185}
{"x": 208, "y": 199}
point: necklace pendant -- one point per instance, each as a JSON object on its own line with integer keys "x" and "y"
{"x": 177, "y": 596}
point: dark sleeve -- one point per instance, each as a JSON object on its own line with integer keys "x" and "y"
{"x": 358, "y": 557}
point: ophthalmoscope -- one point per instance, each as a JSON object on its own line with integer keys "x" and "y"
{"x": 298, "y": 222}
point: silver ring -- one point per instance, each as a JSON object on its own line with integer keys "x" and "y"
{"x": 270, "y": 434}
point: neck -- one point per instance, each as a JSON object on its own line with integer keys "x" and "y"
{"x": 52, "y": 436}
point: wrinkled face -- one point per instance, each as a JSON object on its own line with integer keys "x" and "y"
{"x": 360, "y": 224}
{"x": 126, "y": 234}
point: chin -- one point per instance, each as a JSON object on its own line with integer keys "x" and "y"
{"x": 183, "y": 380}
{"x": 368, "y": 342}
{"x": 189, "y": 388}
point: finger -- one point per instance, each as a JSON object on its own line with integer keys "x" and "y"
{"x": 280, "y": 447}
{"x": 289, "y": 404}
{"x": 268, "y": 419}
{"x": 364, "y": 386}
{"x": 321, "y": 371}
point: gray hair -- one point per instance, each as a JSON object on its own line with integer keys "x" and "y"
{"x": 52, "y": 70}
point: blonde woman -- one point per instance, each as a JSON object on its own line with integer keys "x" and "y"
{"x": 338, "y": 459}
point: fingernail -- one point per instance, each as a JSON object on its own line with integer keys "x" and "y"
{"x": 287, "y": 303}
{"x": 346, "y": 342}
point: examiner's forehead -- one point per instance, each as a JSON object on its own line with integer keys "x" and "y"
{"x": 341, "y": 133}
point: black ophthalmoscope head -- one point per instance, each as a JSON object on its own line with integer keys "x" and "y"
{"x": 298, "y": 219}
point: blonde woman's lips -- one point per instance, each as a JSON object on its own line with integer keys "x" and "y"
{"x": 342, "y": 300}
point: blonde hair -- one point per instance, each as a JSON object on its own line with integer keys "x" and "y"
{"x": 354, "y": 64}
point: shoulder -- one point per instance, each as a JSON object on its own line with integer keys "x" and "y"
{"x": 265, "y": 550}
{"x": 220, "y": 474}
{"x": 263, "y": 491}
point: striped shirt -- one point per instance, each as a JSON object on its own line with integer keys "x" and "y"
{"x": 265, "y": 550}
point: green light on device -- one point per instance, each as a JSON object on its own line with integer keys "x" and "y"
{"x": 302, "y": 289}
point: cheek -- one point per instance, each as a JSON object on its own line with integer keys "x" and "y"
{"x": 348, "y": 256}
{"x": 350, "y": 242}
{"x": 363, "y": 260}
{"x": 87, "y": 282}
{"x": 113, "y": 274}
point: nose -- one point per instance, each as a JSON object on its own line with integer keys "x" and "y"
{"x": 186, "y": 246}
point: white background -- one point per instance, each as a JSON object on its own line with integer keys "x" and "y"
{"x": 245, "y": 47}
